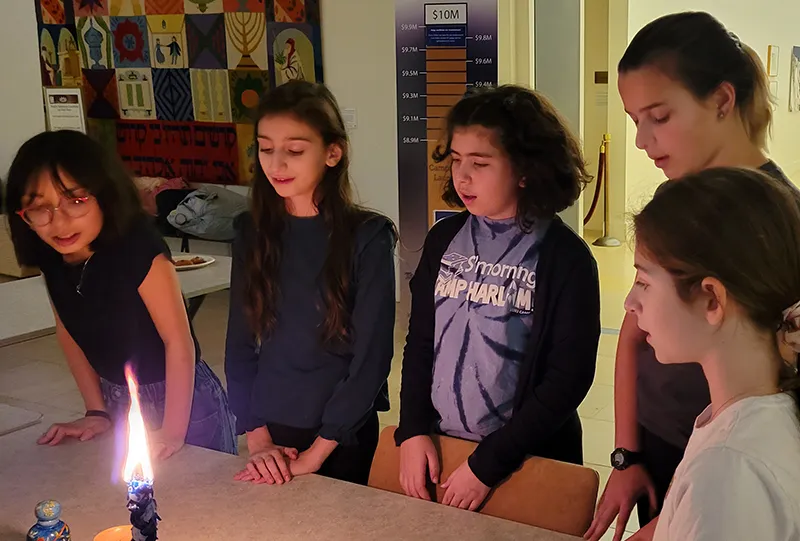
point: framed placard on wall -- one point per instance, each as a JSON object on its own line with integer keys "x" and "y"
{"x": 64, "y": 109}
{"x": 773, "y": 59}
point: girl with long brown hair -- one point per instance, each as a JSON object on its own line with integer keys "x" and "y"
{"x": 310, "y": 333}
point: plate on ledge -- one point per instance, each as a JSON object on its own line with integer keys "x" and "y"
{"x": 13, "y": 419}
{"x": 185, "y": 262}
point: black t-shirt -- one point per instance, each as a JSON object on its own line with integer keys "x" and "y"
{"x": 671, "y": 396}
{"x": 108, "y": 318}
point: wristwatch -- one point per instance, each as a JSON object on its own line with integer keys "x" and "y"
{"x": 622, "y": 459}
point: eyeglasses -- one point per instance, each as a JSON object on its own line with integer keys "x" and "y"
{"x": 74, "y": 207}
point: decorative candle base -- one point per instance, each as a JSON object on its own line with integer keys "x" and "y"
{"x": 49, "y": 526}
{"x": 117, "y": 533}
{"x": 144, "y": 513}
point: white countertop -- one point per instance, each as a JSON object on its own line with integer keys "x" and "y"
{"x": 25, "y": 309}
{"x": 199, "y": 500}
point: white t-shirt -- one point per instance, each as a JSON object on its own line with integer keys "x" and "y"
{"x": 740, "y": 476}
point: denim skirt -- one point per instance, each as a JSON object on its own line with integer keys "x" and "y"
{"x": 211, "y": 423}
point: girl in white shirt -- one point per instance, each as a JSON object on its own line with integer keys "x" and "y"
{"x": 718, "y": 272}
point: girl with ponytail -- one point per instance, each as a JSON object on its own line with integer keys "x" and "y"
{"x": 700, "y": 99}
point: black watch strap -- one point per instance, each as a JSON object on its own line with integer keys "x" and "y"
{"x": 622, "y": 458}
{"x": 98, "y": 413}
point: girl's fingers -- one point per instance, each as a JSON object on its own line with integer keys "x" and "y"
{"x": 420, "y": 488}
{"x": 602, "y": 521}
{"x": 274, "y": 470}
{"x": 589, "y": 535}
{"x": 433, "y": 466}
{"x": 165, "y": 452}
{"x": 49, "y": 435}
{"x": 283, "y": 469}
{"x": 243, "y": 476}
{"x": 622, "y": 519}
{"x": 261, "y": 466}
{"x": 253, "y": 471}
{"x": 60, "y": 434}
{"x": 448, "y": 497}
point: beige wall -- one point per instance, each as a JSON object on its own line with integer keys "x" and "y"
{"x": 515, "y": 63}
{"x": 759, "y": 25}
{"x": 558, "y": 57}
{"x": 358, "y": 54}
{"x": 595, "y": 120}
{"x": 21, "y": 105}
{"x": 617, "y": 120}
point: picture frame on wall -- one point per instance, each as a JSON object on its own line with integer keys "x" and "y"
{"x": 794, "y": 81}
{"x": 773, "y": 57}
{"x": 64, "y": 109}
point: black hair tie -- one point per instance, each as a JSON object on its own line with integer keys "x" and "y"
{"x": 98, "y": 413}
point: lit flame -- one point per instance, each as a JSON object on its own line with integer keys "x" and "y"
{"x": 138, "y": 451}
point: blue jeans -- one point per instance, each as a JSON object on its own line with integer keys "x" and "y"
{"x": 211, "y": 423}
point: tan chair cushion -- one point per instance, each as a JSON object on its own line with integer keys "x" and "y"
{"x": 544, "y": 493}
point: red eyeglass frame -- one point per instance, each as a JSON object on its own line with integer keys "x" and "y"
{"x": 21, "y": 212}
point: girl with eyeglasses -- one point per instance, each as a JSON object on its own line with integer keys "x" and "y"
{"x": 75, "y": 213}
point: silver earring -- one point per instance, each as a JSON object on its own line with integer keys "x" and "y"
{"x": 721, "y": 115}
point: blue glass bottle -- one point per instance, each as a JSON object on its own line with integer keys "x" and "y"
{"x": 49, "y": 526}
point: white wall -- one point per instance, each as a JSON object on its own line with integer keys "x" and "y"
{"x": 515, "y": 62}
{"x": 558, "y": 57}
{"x": 618, "y": 122}
{"x": 595, "y": 109}
{"x": 358, "y": 54}
{"x": 769, "y": 22}
{"x": 21, "y": 105}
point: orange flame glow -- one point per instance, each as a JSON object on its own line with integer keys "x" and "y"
{"x": 138, "y": 450}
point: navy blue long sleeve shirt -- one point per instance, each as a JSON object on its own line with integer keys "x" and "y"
{"x": 292, "y": 379}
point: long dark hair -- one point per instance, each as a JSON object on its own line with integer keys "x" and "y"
{"x": 91, "y": 166}
{"x": 737, "y": 225}
{"x": 536, "y": 139}
{"x": 314, "y": 105}
{"x": 696, "y": 50}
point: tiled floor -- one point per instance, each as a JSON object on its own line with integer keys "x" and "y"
{"x": 34, "y": 375}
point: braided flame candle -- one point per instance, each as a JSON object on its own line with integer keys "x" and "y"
{"x": 138, "y": 472}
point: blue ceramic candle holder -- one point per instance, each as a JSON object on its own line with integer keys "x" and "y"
{"x": 49, "y": 526}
